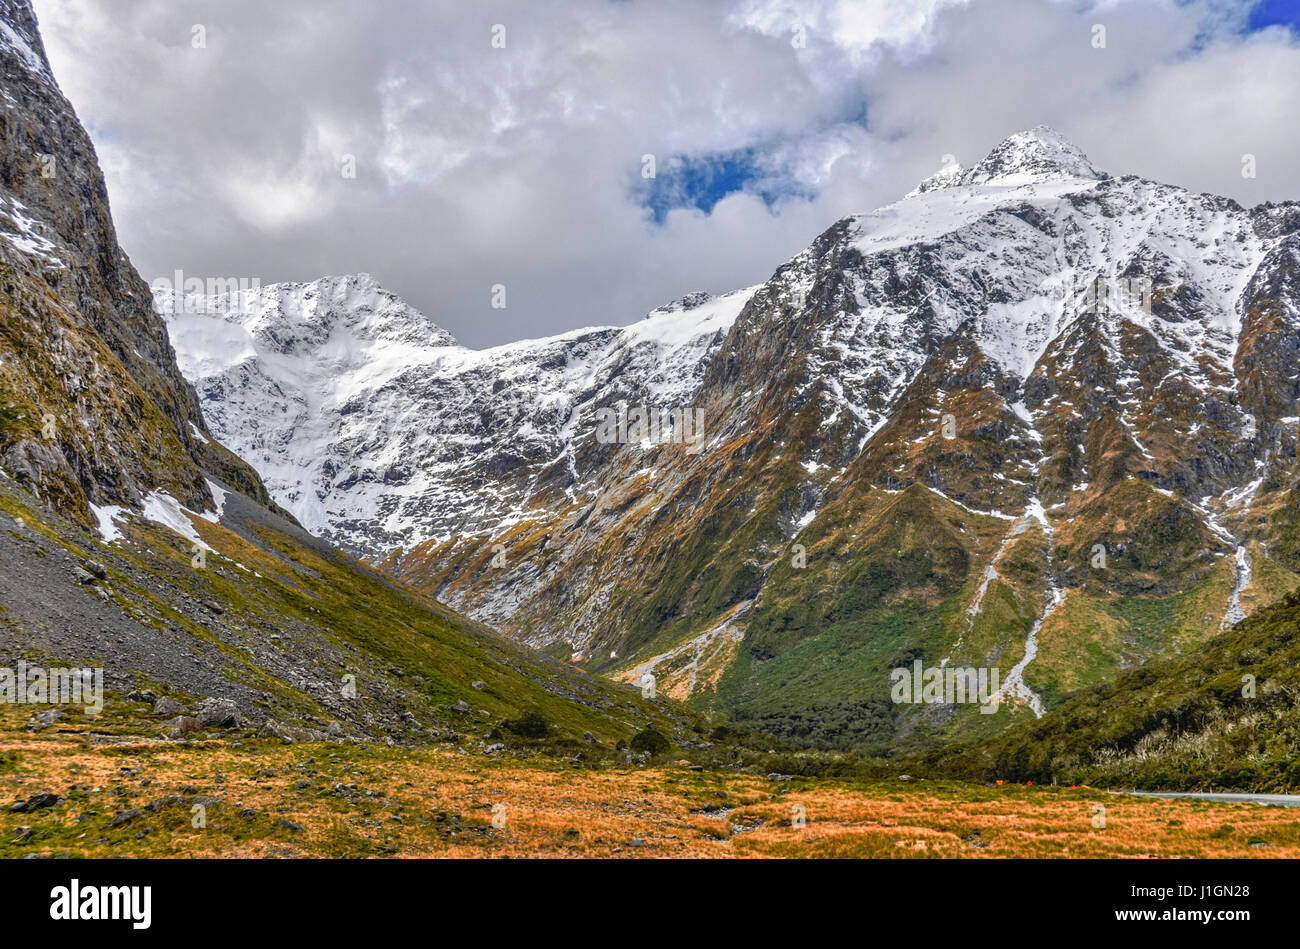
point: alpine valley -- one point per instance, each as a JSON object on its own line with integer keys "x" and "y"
{"x": 1031, "y": 417}
{"x": 353, "y": 589}
{"x": 134, "y": 542}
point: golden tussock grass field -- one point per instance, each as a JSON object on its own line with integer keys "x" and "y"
{"x": 122, "y": 795}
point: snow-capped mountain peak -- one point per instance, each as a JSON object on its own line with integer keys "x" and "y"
{"x": 378, "y": 430}
{"x": 1038, "y": 154}
{"x": 1034, "y": 155}
{"x": 293, "y": 315}
{"x": 1094, "y": 346}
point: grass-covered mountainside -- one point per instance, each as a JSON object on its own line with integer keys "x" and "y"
{"x": 276, "y": 622}
{"x": 1225, "y": 715}
{"x": 905, "y": 576}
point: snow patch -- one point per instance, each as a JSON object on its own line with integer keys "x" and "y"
{"x": 219, "y": 496}
{"x": 107, "y": 516}
{"x": 161, "y": 508}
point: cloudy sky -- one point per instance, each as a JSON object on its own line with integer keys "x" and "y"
{"x": 505, "y": 142}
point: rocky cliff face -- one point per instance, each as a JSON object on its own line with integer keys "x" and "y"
{"x": 1032, "y": 416}
{"x": 93, "y": 408}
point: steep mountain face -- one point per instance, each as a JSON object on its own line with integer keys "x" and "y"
{"x": 378, "y": 431}
{"x": 1031, "y": 417}
{"x": 92, "y": 407}
{"x": 132, "y": 541}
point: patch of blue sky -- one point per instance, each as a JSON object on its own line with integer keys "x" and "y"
{"x": 701, "y": 181}
{"x": 1268, "y": 13}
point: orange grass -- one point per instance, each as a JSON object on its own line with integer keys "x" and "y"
{"x": 440, "y": 802}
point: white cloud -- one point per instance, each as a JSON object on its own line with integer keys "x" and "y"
{"x": 478, "y": 166}
{"x": 856, "y": 26}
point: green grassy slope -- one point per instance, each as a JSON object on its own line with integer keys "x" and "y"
{"x": 275, "y": 621}
{"x": 1225, "y": 715}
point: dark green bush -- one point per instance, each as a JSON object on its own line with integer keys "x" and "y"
{"x": 649, "y": 742}
{"x": 530, "y": 724}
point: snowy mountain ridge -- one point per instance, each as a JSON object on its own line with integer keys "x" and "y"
{"x": 934, "y": 402}
{"x": 363, "y": 414}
